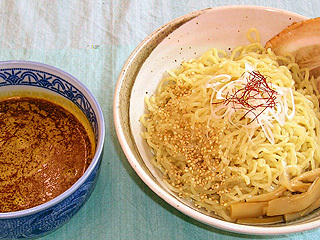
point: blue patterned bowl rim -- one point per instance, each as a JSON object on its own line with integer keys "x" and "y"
{"x": 100, "y": 131}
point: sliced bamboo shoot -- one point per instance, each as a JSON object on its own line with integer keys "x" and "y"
{"x": 295, "y": 203}
{"x": 247, "y": 210}
{"x": 261, "y": 221}
{"x": 291, "y": 216}
{"x": 267, "y": 196}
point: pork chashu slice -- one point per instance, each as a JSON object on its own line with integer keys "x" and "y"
{"x": 302, "y": 40}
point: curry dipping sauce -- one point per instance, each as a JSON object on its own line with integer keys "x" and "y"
{"x": 44, "y": 150}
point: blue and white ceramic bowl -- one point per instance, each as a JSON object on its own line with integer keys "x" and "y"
{"x": 43, "y": 219}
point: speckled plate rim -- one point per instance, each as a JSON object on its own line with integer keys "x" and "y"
{"x": 100, "y": 140}
{"x": 122, "y": 89}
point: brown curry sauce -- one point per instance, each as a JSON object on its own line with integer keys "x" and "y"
{"x": 44, "y": 150}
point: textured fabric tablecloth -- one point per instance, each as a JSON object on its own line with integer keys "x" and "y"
{"x": 91, "y": 39}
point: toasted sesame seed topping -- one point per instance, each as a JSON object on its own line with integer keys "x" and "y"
{"x": 194, "y": 147}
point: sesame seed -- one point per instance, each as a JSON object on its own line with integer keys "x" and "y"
{"x": 190, "y": 150}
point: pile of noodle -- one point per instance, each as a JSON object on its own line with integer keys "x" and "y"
{"x": 214, "y": 161}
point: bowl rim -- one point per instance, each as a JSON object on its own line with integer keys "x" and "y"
{"x": 220, "y": 224}
{"x": 99, "y": 146}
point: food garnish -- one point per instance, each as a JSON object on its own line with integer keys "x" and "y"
{"x": 257, "y": 99}
{"x": 302, "y": 40}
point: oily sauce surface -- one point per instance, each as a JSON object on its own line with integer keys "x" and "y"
{"x": 44, "y": 149}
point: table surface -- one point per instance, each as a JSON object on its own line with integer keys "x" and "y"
{"x": 91, "y": 40}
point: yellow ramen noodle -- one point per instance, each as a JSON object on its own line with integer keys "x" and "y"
{"x": 218, "y": 160}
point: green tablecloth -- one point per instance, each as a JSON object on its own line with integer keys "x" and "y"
{"x": 92, "y": 40}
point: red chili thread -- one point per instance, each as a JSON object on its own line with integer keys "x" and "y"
{"x": 256, "y": 88}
